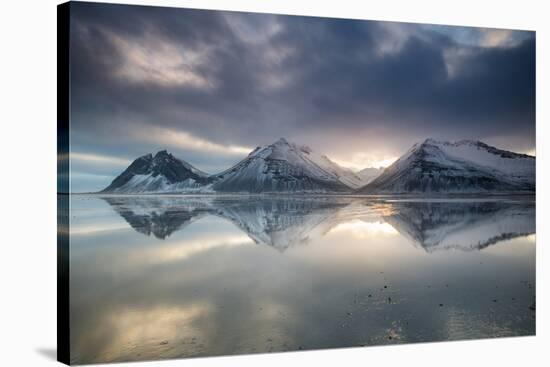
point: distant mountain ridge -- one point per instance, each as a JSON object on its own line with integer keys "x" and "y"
{"x": 368, "y": 174}
{"x": 428, "y": 167}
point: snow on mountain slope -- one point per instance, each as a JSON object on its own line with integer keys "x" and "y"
{"x": 516, "y": 166}
{"x": 461, "y": 167}
{"x": 368, "y": 174}
{"x": 344, "y": 175}
{"x": 159, "y": 184}
{"x": 285, "y": 167}
{"x": 160, "y": 173}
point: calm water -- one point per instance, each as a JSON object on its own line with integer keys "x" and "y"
{"x": 164, "y": 277}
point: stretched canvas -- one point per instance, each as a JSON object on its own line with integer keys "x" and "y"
{"x": 234, "y": 183}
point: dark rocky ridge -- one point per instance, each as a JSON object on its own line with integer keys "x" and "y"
{"x": 162, "y": 163}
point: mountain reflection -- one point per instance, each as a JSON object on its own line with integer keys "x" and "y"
{"x": 283, "y": 222}
{"x": 464, "y": 225}
{"x": 157, "y": 216}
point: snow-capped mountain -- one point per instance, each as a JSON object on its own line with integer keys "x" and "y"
{"x": 285, "y": 167}
{"x": 368, "y": 174}
{"x": 462, "y": 167}
{"x": 159, "y": 173}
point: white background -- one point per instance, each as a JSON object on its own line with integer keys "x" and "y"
{"x": 28, "y": 182}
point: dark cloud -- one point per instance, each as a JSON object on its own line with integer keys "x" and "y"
{"x": 241, "y": 79}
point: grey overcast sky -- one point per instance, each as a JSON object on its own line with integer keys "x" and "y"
{"x": 209, "y": 86}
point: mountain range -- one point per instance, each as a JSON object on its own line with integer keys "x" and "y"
{"x": 284, "y": 167}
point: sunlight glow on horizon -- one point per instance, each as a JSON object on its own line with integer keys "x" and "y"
{"x": 531, "y": 152}
{"x": 360, "y": 161}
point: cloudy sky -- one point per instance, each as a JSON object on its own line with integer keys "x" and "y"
{"x": 210, "y": 86}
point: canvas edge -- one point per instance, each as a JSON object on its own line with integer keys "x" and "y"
{"x": 63, "y": 185}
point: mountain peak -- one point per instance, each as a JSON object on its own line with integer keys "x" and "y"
{"x": 464, "y": 142}
{"x": 470, "y": 142}
{"x": 284, "y": 144}
{"x": 281, "y": 141}
{"x": 432, "y": 141}
{"x": 146, "y": 157}
{"x": 163, "y": 153}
